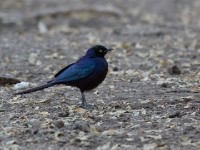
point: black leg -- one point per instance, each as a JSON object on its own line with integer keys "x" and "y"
{"x": 85, "y": 105}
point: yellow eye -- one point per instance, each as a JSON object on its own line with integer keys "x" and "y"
{"x": 100, "y": 51}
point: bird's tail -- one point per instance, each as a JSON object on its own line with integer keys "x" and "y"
{"x": 36, "y": 88}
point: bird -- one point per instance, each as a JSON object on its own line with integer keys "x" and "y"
{"x": 85, "y": 74}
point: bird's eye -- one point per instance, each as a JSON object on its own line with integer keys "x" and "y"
{"x": 100, "y": 51}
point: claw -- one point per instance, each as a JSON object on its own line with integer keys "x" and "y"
{"x": 89, "y": 106}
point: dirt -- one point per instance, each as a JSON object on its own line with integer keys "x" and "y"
{"x": 150, "y": 98}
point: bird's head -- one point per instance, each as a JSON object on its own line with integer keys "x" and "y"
{"x": 98, "y": 51}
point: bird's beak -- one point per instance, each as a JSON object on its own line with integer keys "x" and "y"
{"x": 110, "y": 49}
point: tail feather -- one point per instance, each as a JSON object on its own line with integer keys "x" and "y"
{"x": 36, "y": 89}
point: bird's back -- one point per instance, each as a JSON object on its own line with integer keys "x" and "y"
{"x": 76, "y": 71}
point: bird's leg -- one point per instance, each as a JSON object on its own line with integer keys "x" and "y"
{"x": 85, "y": 105}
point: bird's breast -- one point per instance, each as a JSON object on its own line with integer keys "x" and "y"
{"x": 93, "y": 80}
{"x": 101, "y": 66}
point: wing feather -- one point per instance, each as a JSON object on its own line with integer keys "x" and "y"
{"x": 76, "y": 71}
{"x": 61, "y": 71}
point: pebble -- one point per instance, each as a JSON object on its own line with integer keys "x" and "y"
{"x": 21, "y": 85}
{"x": 59, "y": 124}
{"x": 66, "y": 114}
{"x": 174, "y": 70}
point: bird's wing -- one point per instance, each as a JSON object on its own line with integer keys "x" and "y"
{"x": 76, "y": 71}
{"x": 62, "y": 70}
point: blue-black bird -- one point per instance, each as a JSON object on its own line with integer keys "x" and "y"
{"x": 86, "y": 73}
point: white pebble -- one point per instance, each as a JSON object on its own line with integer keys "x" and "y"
{"x": 21, "y": 85}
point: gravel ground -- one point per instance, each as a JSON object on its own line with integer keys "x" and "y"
{"x": 150, "y": 98}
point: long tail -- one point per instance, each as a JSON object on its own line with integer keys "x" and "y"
{"x": 36, "y": 88}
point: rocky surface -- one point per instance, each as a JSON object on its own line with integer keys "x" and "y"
{"x": 150, "y": 98}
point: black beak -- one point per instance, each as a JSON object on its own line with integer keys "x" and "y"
{"x": 110, "y": 49}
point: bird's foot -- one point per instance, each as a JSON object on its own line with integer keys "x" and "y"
{"x": 88, "y": 106}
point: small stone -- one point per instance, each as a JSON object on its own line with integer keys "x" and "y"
{"x": 115, "y": 69}
{"x": 117, "y": 107}
{"x": 44, "y": 113}
{"x": 187, "y": 106}
{"x": 42, "y": 27}
{"x": 164, "y": 85}
{"x": 142, "y": 55}
{"x": 174, "y": 70}
{"x": 21, "y": 85}
{"x": 66, "y": 114}
{"x": 11, "y": 142}
{"x": 59, "y": 124}
{"x": 175, "y": 114}
{"x": 58, "y": 136}
{"x": 37, "y": 108}
{"x": 130, "y": 72}
{"x": 33, "y": 58}
{"x": 156, "y": 137}
{"x": 80, "y": 110}
{"x": 35, "y": 132}
{"x": 188, "y": 99}
{"x": 81, "y": 126}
